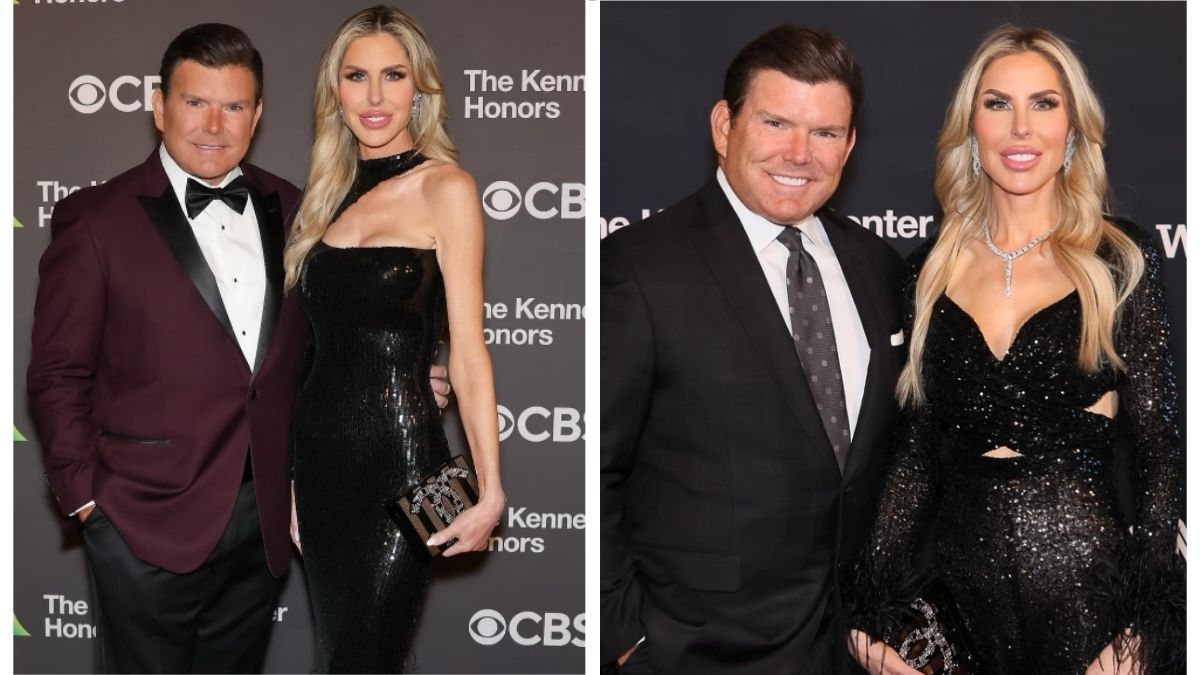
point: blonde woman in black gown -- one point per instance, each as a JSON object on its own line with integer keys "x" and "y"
{"x": 386, "y": 255}
{"x": 1038, "y": 331}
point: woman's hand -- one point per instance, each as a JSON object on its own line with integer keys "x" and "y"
{"x": 294, "y": 527}
{"x": 473, "y": 527}
{"x": 1107, "y": 663}
{"x": 876, "y": 657}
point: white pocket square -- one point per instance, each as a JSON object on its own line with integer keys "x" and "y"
{"x": 897, "y": 338}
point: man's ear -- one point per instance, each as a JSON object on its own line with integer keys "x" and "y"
{"x": 157, "y": 102}
{"x": 257, "y": 115}
{"x": 720, "y": 121}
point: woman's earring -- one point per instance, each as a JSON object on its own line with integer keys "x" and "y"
{"x": 1070, "y": 152}
{"x": 416, "y": 105}
{"x": 975, "y": 168}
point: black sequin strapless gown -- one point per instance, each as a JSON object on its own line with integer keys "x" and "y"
{"x": 1034, "y": 550}
{"x": 366, "y": 428}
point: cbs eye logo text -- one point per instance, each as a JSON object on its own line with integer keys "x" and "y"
{"x": 551, "y": 629}
{"x": 543, "y": 200}
{"x": 88, "y": 94}
{"x": 537, "y": 424}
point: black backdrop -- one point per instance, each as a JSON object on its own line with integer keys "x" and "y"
{"x": 663, "y": 65}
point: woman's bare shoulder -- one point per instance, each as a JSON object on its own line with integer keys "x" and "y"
{"x": 441, "y": 181}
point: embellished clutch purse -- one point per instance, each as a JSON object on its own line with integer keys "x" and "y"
{"x": 433, "y": 503}
{"x": 934, "y": 640}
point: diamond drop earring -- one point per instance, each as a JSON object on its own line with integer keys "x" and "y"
{"x": 1069, "y": 154}
{"x": 975, "y": 168}
{"x": 418, "y": 99}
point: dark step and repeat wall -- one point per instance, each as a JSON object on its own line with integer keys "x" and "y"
{"x": 663, "y": 67}
{"x": 514, "y": 74}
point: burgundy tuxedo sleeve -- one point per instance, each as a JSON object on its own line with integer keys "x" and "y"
{"x": 626, "y": 382}
{"x": 68, "y": 326}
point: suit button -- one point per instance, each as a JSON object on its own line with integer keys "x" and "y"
{"x": 253, "y": 394}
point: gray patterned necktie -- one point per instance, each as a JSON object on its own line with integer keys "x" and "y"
{"x": 812, "y": 335}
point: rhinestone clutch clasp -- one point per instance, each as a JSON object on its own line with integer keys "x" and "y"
{"x": 435, "y": 490}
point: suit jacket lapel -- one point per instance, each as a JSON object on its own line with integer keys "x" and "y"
{"x": 857, "y": 272}
{"x": 270, "y": 229}
{"x": 167, "y": 215}
{"x": 723, "y": 246}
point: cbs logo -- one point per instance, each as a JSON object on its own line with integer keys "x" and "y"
{"x": 488, "y": 627}
{"x": 537, "y": 424}
{"x": 88, "y": 93}
{"x": 503, "y": 199}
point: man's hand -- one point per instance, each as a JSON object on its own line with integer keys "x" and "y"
{"x": 625, "y": 657}
{"x": 83, "y": 514}
{"x": 294, "y": 527}
{"x": 439, "y": 379}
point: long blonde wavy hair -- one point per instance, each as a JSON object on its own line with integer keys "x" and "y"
{"x": 1082, "y": 197}
{"x": 333, "y": 163}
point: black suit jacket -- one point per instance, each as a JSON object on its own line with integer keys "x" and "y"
{"x": 724, "y": 518}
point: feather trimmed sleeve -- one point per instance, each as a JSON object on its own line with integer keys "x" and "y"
{"x": 1152, "y": 589}
{"x": 885, "y": 580}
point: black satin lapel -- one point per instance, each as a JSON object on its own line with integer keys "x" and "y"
{"x": 173, "y": 227}
{"x": 270, "y": 230}
{"x": 727, "y": 252}
{"x": 858, "y": 273}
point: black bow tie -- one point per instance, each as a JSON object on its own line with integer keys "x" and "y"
{"x": 198, "y": 196}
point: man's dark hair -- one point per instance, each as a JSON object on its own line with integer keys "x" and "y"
{"x": 212, "y": 45}
{"x": 803, "y": 54}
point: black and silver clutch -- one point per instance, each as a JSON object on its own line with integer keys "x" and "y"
{"x": 934, "y": 640}
{"x": 433, "y": 503}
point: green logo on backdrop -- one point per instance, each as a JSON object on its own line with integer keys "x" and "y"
{"x": 17, "y": 223}
{"x": 18, "y": 629}
{"x": 17, "y": 434}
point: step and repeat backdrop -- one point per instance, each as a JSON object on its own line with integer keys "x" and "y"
{"x": 84, "y": 73}
{"x": 663, "y": 67}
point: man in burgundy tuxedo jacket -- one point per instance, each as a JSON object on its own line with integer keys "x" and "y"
{"x": 165, "y": 358}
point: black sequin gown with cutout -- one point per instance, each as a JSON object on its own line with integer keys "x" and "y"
{"x": 1034, "y": 550}
{"x": 366, "y": 428}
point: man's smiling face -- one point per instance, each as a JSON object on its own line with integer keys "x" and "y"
{"x": 208, "y": 118}
{"x": 783, "y": 154}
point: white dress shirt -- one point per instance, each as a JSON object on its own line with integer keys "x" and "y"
{"x": 232, "y": 246}
{"x": 854, "y": 353}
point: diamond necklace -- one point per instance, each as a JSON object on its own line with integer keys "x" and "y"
{"x": 1009, "y": 256}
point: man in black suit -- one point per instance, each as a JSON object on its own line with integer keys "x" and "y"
{"x": 750, "y": 344}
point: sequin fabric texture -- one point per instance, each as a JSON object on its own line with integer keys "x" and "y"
{"x": 1034, "y": 550}
{"x": 366, "y": 428}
